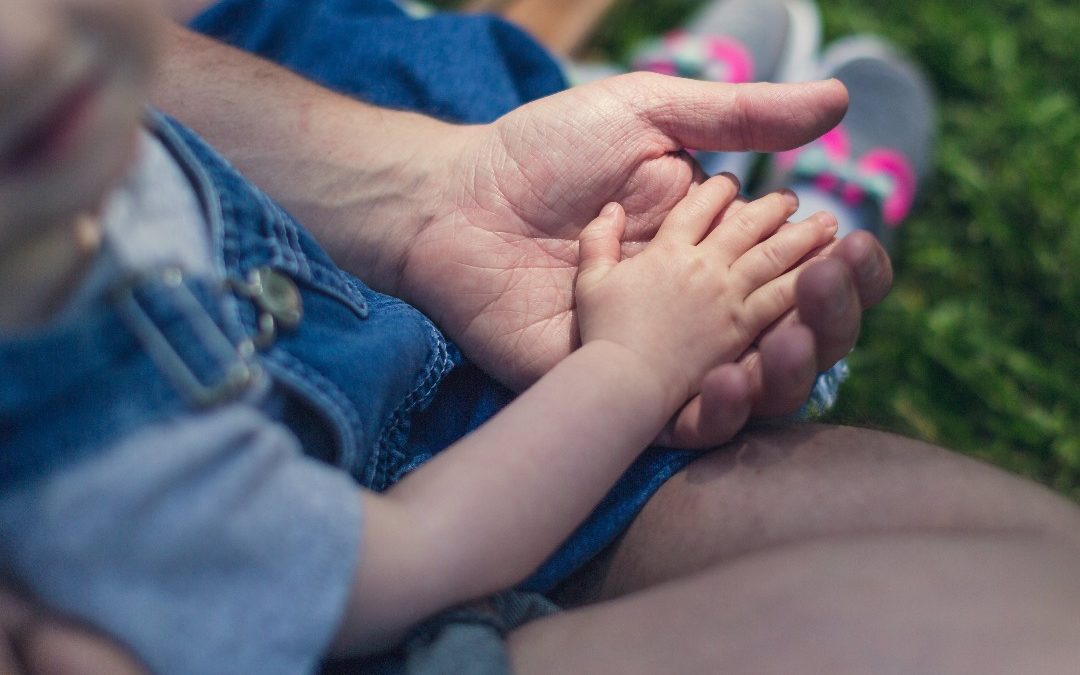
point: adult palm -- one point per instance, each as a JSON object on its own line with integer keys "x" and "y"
{"x": 495, "y": 267}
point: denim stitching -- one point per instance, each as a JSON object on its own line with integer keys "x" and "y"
{"x": 209, "y": 197}
{"x": 282, "y": 240}
{"x": 395, "y": 432}
{"x": 327, "y": 397}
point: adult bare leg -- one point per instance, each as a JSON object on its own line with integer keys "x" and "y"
{"x": 893, "y": 604}
{"x": 776, "y": 486}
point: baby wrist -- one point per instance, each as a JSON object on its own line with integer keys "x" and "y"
{"x": 663, "y": 384}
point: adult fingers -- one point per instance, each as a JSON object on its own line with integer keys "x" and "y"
{"x": 716, "y": 414}
{"x": 871, "y": 269}
{"x": 785, "y": 369}
{"x": 55, "y": 647}
{"x": 829, "y": 306}
{"x": 15, "y": 616}
{"x": 724, "y": 117}
{"x": 35, "y": 642}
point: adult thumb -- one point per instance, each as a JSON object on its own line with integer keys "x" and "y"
{"x": 760, "y": 116}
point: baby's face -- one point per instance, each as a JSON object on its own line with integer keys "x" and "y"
{"x": 73, "y": 75}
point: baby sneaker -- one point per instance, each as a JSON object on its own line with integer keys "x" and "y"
{"x": 738, "y": 41}
{"x": 867, "y": 170}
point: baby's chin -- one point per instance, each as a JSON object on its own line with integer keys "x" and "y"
{"x": 54, "y": 196}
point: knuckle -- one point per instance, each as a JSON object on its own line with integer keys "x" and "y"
{"x": 697, "y": 205}
{"x": 741, "y": 126}
{"x": 773, "y": 253}
{"x": 779, "y": 297}
{"x": 745, "y": 222}
{"x": 741, "y": 330}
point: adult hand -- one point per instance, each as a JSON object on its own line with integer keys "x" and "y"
{"x": 495, "y": 265}
{"x": 478, "y": 225}
{"x": 774, "y": 379}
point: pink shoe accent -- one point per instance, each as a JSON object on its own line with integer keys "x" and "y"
{"x": 717, "y": 59}
{"x": 740, "y": 65}
{"x": 834, "y": 142}
{"x": 891, "y": 163}
{"x": 852, "y": 194}
{"x": 832, "y": 169}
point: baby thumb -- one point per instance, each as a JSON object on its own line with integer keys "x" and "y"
{"x": 600, "y": 247}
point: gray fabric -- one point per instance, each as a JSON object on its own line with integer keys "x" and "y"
{"x": 849, "y": 218}
{"x": 466, "y": 640}
{"x": 471, "y": 640}
{"x": 210, "y": 545}
{"x": 890, "y": 103}
{"x": 153, "y": 219}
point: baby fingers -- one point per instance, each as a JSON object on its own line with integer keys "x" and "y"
{"x": 775, "y": 295}
{"x": 743, "y": 228}
{"x": 694, "y": 215}
{"x": 784, "y": 249}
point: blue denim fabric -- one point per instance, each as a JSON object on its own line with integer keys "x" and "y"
{"x": 463, "y": 68}
{"x": 459, "y": 68}
{"x": 347, "y": 378}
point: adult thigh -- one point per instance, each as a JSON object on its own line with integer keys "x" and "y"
{"x": 962, "y": 604}
{"x": 797, "y": 483}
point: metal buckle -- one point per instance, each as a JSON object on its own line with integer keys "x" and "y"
{"x": 234, "y": 359}
{"x": 277, "y": 299}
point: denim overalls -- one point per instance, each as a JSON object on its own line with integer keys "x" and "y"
{"x": 365, "y": 381}
{"x": 349, "y": 372}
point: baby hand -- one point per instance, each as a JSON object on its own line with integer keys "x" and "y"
{"x": 706, "y": 286}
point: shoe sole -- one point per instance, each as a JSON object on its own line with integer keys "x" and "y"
{"x": 799, "y": 62}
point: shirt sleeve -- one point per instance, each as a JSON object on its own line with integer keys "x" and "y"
{"x": 206, "y": 545}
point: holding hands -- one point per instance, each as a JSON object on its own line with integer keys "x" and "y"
{"x": 478, "y": 226}
{"x": 495, "y": 263}
{"x": 710, "y": 282}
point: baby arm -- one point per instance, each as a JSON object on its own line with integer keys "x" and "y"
{"x": 482, "y": 515}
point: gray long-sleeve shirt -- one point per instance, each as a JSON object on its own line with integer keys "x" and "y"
{"x": 210, "y": 544}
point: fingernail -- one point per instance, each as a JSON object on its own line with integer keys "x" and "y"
{"x": 869, "y": 270}
{"x": 734, "y": 179}
{"x": 869, "y": 267}
{"x": 827, "y": 219}
{"x": 792, "y": 198}
{"x": 609, "y": 209}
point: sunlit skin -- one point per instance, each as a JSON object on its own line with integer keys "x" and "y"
{"x": 905, "y": 558}
{"x": 76, "y": 80}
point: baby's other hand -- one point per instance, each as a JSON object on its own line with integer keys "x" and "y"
{"x": 706, "y": 286}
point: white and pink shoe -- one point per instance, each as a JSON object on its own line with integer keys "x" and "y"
{"x": 868, "y": 169}
{"x": 739, "y": 41}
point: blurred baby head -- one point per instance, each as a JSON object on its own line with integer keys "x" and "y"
{"x": 73, "y": 77}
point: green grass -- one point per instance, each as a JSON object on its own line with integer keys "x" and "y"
{"x": 978, "y": 346}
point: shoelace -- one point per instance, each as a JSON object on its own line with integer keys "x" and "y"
{"x": 883, "y": 175}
